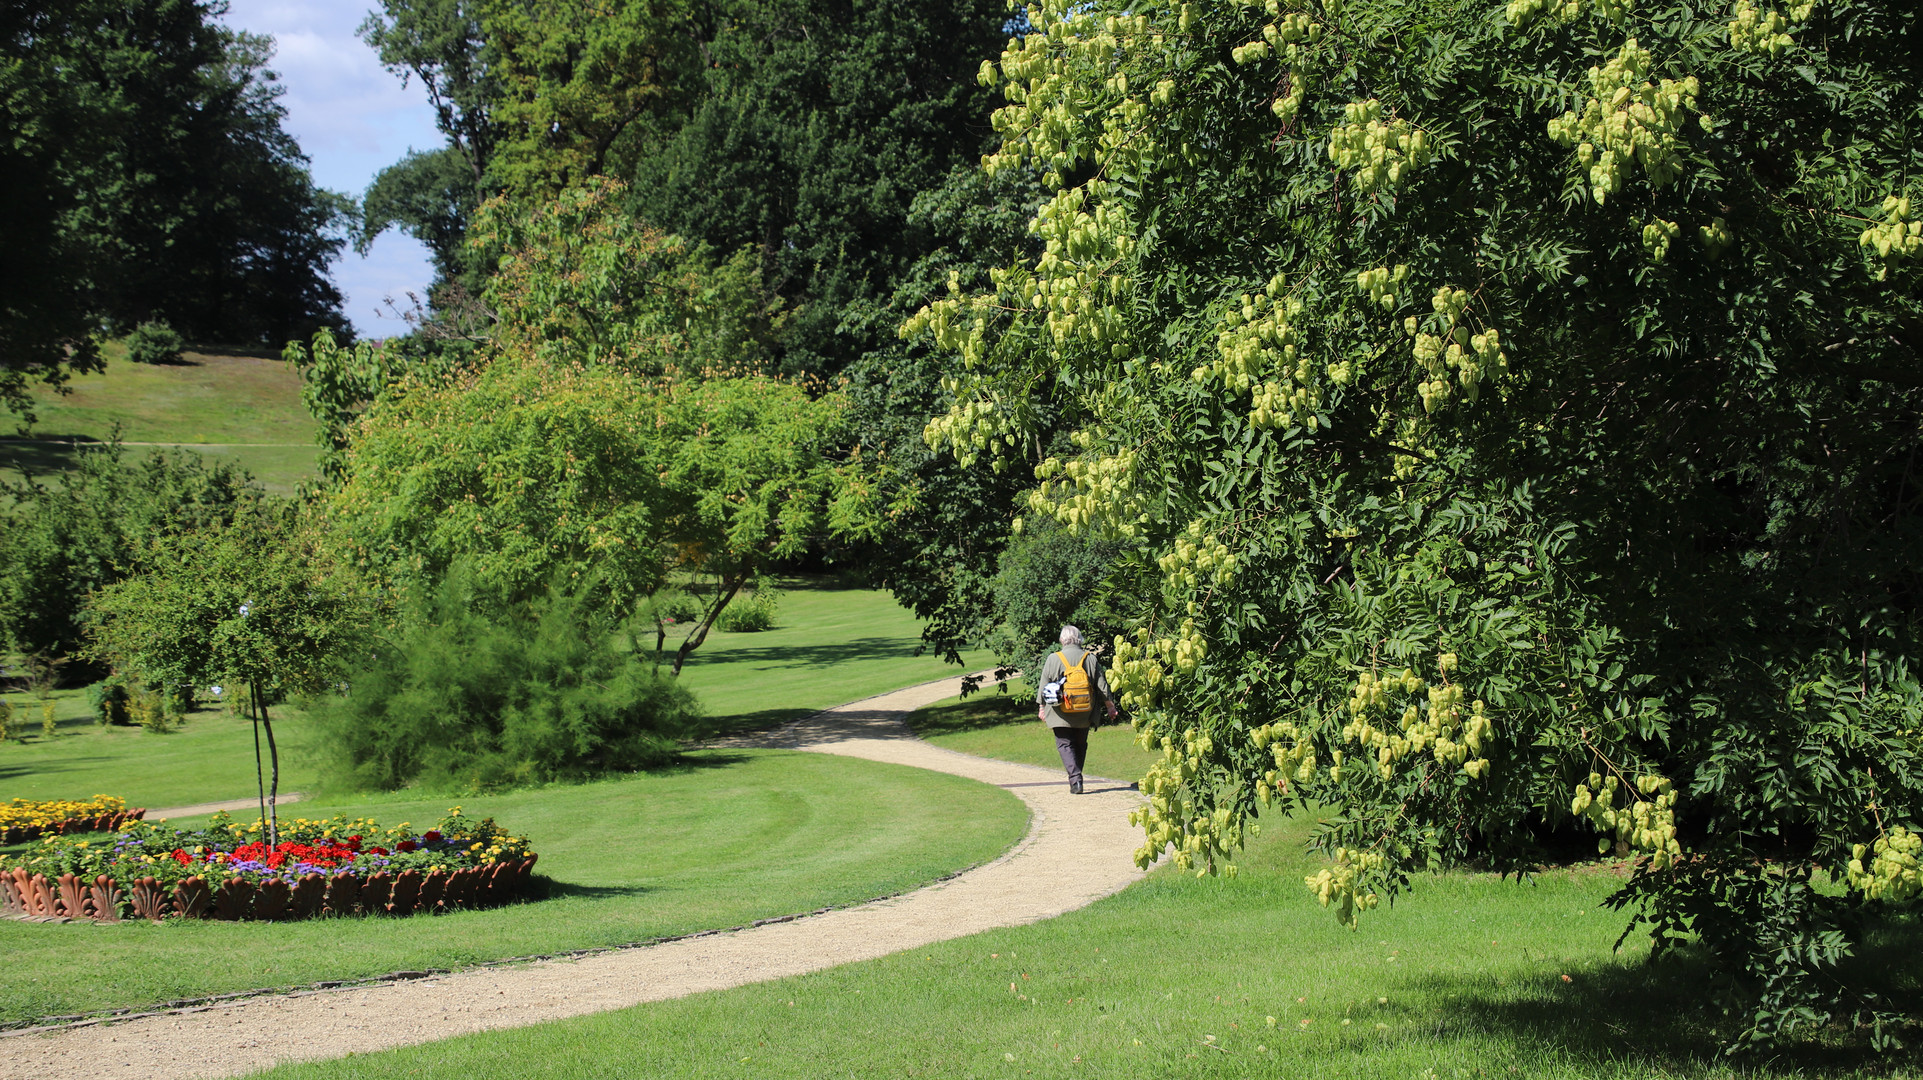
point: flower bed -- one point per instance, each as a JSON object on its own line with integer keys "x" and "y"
{"x": 23, "y": 820}
{"x": 335, "y": 866}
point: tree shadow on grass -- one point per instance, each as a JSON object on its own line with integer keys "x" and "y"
{"x": 747, "y": 723}
{"x": 1664, "y": 1015}
{"x": 824, "y": 655}
{"x": 542, "y": 887}
{"x": 41, "y": 460}
{"x": 42, "y": 768}
{"x": 979, "y": 711}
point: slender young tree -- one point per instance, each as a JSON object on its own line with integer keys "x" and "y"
{"x": 250, "y": 603}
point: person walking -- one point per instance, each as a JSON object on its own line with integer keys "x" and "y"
{"x": 1072, "y": 680}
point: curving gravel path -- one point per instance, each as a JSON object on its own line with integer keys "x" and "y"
{"x": 1078, "y": 849}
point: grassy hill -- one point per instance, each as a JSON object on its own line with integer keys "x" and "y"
{"x": 245, "y": 406}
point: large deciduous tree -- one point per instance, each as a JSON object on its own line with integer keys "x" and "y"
{"x": 149, "y": 177}
{"x": 613, "y": 429}
{"x": 431, "y": 194}
{"x": 1514, "y": 412}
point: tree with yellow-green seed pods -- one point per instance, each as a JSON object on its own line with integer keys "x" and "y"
{"x": 1507, "y": 445}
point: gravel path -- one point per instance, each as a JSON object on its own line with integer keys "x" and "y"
{"x": 197, "y": 809}
{"x": 1078, "y": 850}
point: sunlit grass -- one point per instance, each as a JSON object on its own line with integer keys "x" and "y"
{"x": 732, "y": 837}
{"x": 1469, "y": 976}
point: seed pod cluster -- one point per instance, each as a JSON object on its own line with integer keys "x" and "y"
{"x": 1716, "y": 237}
{"x": 1627, "y": 120}
{"x": 1445, "y": 343}
{"x": 1095, "y": 492}
{"x": 1257, "y": 353}
{"x": 1202, "y": 842}
{"x": 1378, "y": 155}
{"x": 1897, "y": 237}
{"x": 1752, "y": 29}
{"x": 1057, "y": 117}
{"x": 1657, "y": 236}
{"x": 1436, "y": 725}
{"x": 1196, "y": 557}
{"x": 1521, "y": 12}
{"x": 1646, "y": 822}
{"x": 1342, "y": 885}
{"x": 1890, "y": 869}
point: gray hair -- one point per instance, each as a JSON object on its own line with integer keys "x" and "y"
{"x": 1071, "y": 636}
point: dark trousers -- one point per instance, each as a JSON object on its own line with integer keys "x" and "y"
{"x": 1072, "y": 744}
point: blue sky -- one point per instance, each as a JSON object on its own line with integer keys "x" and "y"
{"x": 352, "y": 118}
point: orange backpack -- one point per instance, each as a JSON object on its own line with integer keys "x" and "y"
{"x": 1077, "y": 695}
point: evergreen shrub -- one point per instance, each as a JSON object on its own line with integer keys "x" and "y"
{"x": 480, "y": 697}
{"x": 154, "y": 343}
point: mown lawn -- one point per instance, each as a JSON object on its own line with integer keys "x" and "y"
{"x": 210, "y": 758}
{"x": 1003, "y": 725}
{"x": 727, "y": 838}
{"x": 1470, "y": 976}
{"x": 731, "y": 837}
{"x": 245, "y": 408}
{"x": 831, "y": 644}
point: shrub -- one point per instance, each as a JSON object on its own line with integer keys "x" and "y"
{"x": 753, "y": 614}
{"x": 474, "y": 698}
{"x": 64, "y": 539}
{"x": 6, "y": 721}
{"x": 154, "y": 343}
{"x": 147, "y": 710}
{"x": 108, "y": 699}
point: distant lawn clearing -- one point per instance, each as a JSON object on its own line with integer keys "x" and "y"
{"x": 210, "y": 759}
{"x": 997, "y": 725}
{"x": 1177, "y": 977}
{"x": 736, "y": 836}
{"x": 246, "y": 407}
{"x": 831, "y": 644}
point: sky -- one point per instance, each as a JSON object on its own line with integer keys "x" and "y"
{"x": 353, "y": 118}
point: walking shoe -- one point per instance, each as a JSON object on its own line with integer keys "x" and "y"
{"x": 1074, "y": 787}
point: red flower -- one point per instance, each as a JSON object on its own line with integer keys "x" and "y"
{"x": 432, "y": 836}
{"x": 406, "y": 845}
{"x": 183, "y": 858}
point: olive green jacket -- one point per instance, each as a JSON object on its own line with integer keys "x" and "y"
{"x": 1052, "y": 670}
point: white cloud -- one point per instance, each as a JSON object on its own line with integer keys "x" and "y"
{"x": 353, "y": 118}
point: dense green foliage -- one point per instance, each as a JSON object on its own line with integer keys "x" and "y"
{"x": 809, "y": 129}
{"x": 801, "y": 131}
{"x": 145, "y": 174}
{"x": 467, "y": 695}
{"x": 250, "y": 601}
{"x": 612, "y": 430}
{"x": 65, "y": 537}
{"x": 1513, "y": 416}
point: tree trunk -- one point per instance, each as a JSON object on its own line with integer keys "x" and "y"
{"x": 260, "y": 780}
{"x": 273, "y": 757}
{"x": 693, "y": 640}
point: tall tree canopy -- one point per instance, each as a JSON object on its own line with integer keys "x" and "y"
{"x": 802, "y": 129}
{"x": 1514, "y": 414}
{"x": 612, "y": 430}
{"x": 148, "y": 176}
{"x": 808, "y": 131}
